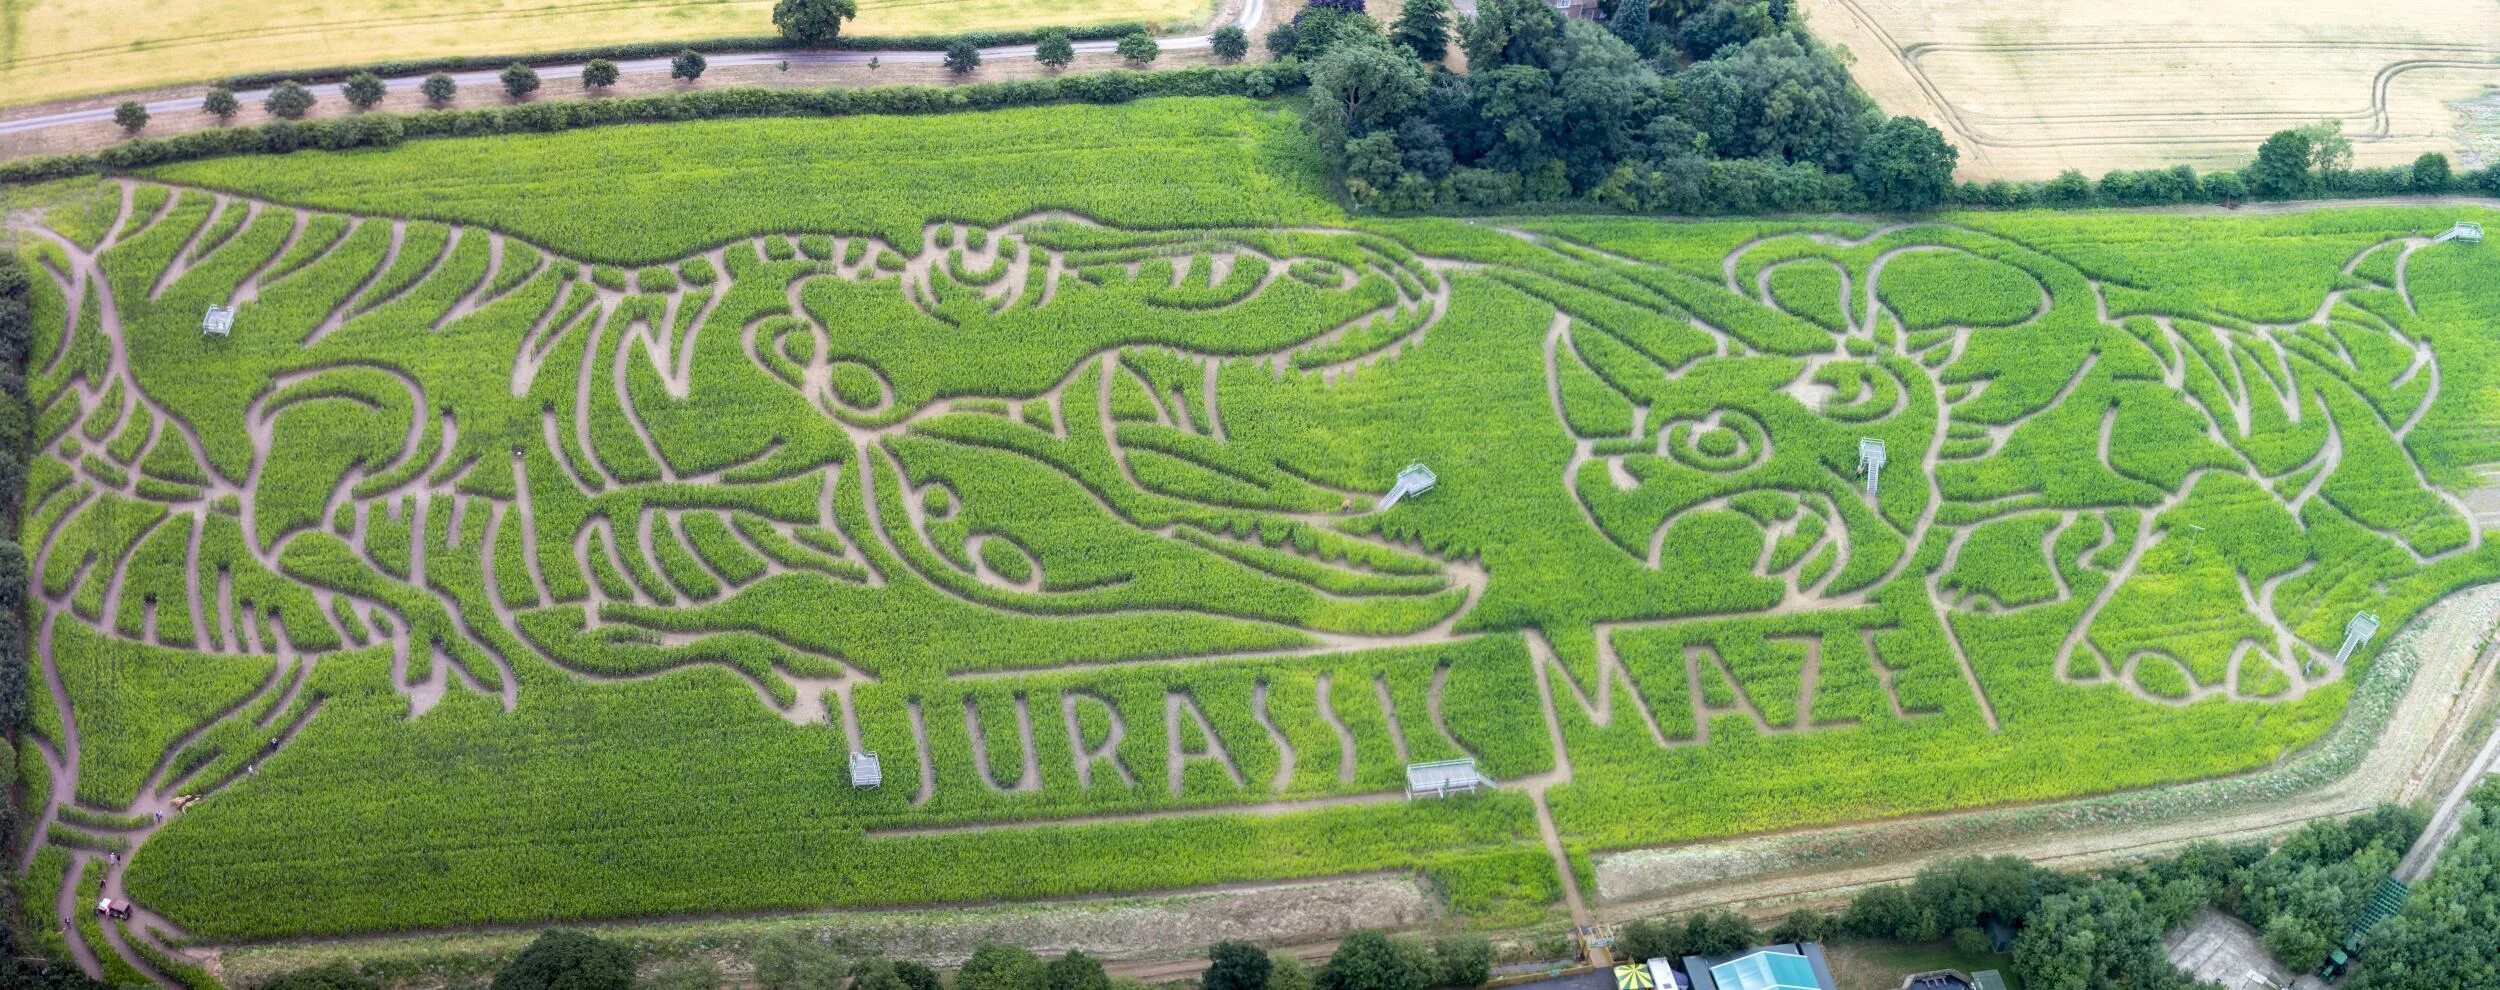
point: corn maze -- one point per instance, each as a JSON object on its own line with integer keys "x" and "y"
{"x": 473, "y": 582}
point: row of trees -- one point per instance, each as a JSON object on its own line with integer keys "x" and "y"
{"x": 291, "y": 100}
{"x": 2299, "y": 163}
{"x": 1745, "y": 112}
{"x": 571, "y": 960}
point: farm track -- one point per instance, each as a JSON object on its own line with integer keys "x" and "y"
{"x": 422, "y": 471}
{"x": 1249, "y": 14}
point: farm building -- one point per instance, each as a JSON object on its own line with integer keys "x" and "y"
{"x": 1787, "y": 966}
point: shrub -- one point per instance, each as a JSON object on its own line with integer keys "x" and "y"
{"x": 1075, "y": 971}
{"x": 813, "y": 22}
{"x": 916, "y": 976}
{"x": 1229, "y": 42}
{"x": 288, "y": 100}
{"x": 790, "y": 961}
{"x": 698, "y": 973}
{"x": 568, "y": 960}
{"x": 1235, "y": 966}
{"x": 1138, "y": 48}
{"x": 1465, "y": 960}
{"x": 599, "y": 73}
{"x": 363, "y": 90}
{"x": 688, "y": 65}
{"x": 962, "y": 58}
{"x": 1368, "y": 960}
{"x": 439, "y": 88}
{"x": 132, "y": 115}
{"x": 328, "y": 976}
{"x": 220, "y": 103}
{"x": 519, "y": 80}
{"x": 1000, "y": 967}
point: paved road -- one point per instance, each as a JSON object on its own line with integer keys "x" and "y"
{"x": 492, "y": 78}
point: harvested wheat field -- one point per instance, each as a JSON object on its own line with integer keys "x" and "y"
{"x": 55, "y": 49}
{"x": 2029, "y": 87}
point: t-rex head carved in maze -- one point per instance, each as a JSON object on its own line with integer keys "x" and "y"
{"x": 989, "y": 442}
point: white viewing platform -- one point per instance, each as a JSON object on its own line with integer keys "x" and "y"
{"x": 866, "y": 770}
{"x": 1442, "y": 778}
{"x": 1414, "y": 479}
{"x": 2465, "y": 232}
{"x": 219, "y": 322}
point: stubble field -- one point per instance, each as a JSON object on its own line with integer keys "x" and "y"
{"x": 2030, "y": 87}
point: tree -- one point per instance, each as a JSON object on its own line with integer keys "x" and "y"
{"x": 132, "y": 115}
{"x": 1724, "y": 23}
{"x": 962, "y": 57}
{"x": 1716, "y": 933}
{"x": 363, "y": 90}
{"x": 2096, "y": 937}
{"x": 1906, "y": 165}
{"x": 789, "y": 961}
{"x": 2330, "y": 152}
{"x": 1229, "y": 43}
{"x": 1804, "y": 925}
{"x": 1466, "y": 961}
{"x": 2444, "y": 937}
{"x": 688, "y": 65}
{"x": 1512, "y": 32}
{"x": 1235, "y": 966}
{"x": 917, "y": 976}
{"x": 1000, "y": 967}
{"x": 328, "y": 976}
{"x": 813, "y": 22}
{"x": 1368, "y": 960}
{"x": 2430, "y": 173}
{"x": 1283, "y": 40}
{"x": 1074, "y": 971}
{"x": 598, "y": 73}
{"x": 1138, "y": 48}
{"x": 1631, "y": 24}
{"x": 1779, "y": 96}
{"x": 519, "y": 80}
{"x": 221, "y": 104}
{"x": 439, "y": 88}
{"x": 568, "y": 960}
{"x": 1356, "y": 89}
{"x": 288, "y": 99}
{"x": 1423, "y": 27}
{"x": 1053, "y": 48}
{"x": 2282, "y": 165}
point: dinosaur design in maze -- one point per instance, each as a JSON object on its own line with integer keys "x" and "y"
{"x": 993, "y": 472}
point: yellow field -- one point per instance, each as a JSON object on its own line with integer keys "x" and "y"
{"x": 2029, "y": 87}
{"x": 51, "y": 49}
